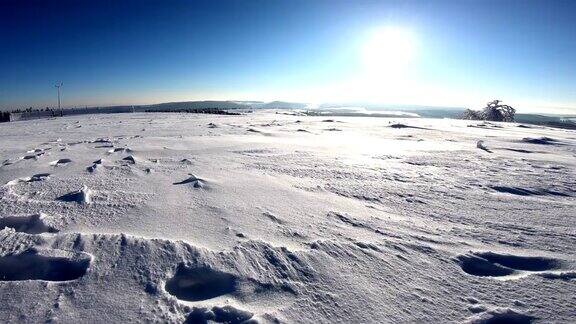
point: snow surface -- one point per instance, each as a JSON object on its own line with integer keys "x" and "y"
{"x": 271, "y": 217}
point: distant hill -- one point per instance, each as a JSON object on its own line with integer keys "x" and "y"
{"x": 280, "y": 105}
{"x": 196, "y": 105}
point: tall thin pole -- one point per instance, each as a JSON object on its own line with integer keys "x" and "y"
{"x": 58, "y": 85}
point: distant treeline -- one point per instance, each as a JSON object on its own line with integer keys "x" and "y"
{"x": 199, "y": 107}
{"x": 29, "y": 113}
{"x": 215, "y": 111}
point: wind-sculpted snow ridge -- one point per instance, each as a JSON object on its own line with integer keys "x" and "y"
{"x": 370, "y": 224}
{"x": 193, "y": 181}
{"x": 273, "y": 218}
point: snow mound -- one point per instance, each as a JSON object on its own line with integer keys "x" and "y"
{"x": 480, "y": 145}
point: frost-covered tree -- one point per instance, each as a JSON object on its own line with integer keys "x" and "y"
{"x": 472, "y": 115}
{"x": 494, "y": 111}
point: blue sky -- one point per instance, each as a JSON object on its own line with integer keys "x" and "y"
{"x": 462, "y": 53}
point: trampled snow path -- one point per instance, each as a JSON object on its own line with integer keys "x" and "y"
{"x": 269, "y": 217}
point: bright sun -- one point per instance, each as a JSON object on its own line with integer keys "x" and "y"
{"x": 388, "y": 51}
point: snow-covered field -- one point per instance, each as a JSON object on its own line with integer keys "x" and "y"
{"x": 278, "y": 218}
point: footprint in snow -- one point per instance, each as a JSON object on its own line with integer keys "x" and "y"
{"x": 119, "y": 149}
{"x": 31, "y": 265}
{"x": 37, "y": 150}
{"x": 528, "y": 192}
{"x": 33, "y": 156}
{"x": 508, "y": 266}
{"x": 501, "y": 315}
{"x": 82, "y": 196}
{"x": 201, "y": 283}
{"x": 130, "y": 159}
{"x": 33, "y": 224}
{"x": 34, "y": 178}
{"x": 226, "y": 314}
{"x": 96, "y": 165}
{"x": 60, "y": 162}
